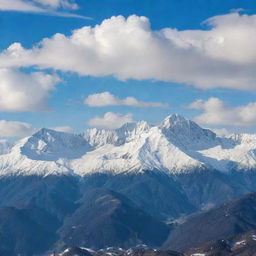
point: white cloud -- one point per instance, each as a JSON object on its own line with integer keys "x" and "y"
{"x": 67, "y": 129}
{"x": 15, "y": 129}
{"x": 222, "y": 132}
{"x": 67, "y": 4}
{"x": 18, "y": 5}
{"x": 107, "y": 99}
{"x": 111, "y": 120}
{"x": 46, "y": 7}
{"x": 25, "y": 91}
{"x": 222, "y": 56}
{"x": 216, "y": 112}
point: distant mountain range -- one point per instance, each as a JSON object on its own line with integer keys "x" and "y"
{"x": 138, "y": 184}
{"x": 176, "y": 146}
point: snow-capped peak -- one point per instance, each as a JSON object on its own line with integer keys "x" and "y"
{"x": 49, "y": 145}
{"x": 174, "y": 120}
{"x": 127, "y": 132}
{"x": 186, "y": 133}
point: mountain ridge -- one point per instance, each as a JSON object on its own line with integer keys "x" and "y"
{"x": 176, "y": 146}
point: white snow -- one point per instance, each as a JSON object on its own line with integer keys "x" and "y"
{"x": 176, "y": 146}
{"x": 243, "y": 242}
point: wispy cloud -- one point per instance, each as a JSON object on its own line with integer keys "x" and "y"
{"x": 59, "y": 8}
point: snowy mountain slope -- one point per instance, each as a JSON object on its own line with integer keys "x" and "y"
{"x": 176, "y": 146}
{"x": 149, "y": 150}
{"x": 237, "y": 152}
{"x": 49, "y": 145}
{"x": 46, "y": 152}
{"x": 187, "y": 134}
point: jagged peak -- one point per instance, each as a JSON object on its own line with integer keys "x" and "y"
{"x": 176, "y": 117}
{"x": 176, "y": 120}
{"x": 134, "y": 126}
{"x": 98, "y": 137}
{"x": 48, "y": 144}
{"x": 141, "y": 125}
{"x": 186, "y": 133}
{"x": 46, "y": 132}
{"x": 127, "y": 127}
{"x": 50, "y": 135}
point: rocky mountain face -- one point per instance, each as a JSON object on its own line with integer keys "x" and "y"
{"x": 140, "y": 250}
{"x": 109, "y": 218}
{"x": 238, "y": 245}
{"x": 130, "y": 181}
{"x": 232, "y": 218}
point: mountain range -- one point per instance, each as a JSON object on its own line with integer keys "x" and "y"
{"x": 176, "y": 146}
{"x": 136, "y": 184}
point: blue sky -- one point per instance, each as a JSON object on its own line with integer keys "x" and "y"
{"x": 209, "y": 100}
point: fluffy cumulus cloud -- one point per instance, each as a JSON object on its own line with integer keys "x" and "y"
{"x": 107, "y": 99}
{"x": 224, "y": 55}
{"x": 15, "y": 129}
{"x": 50, "y": 7}
{"x": 25, "y": 91}
{"x": 216, "y": 112}
{"x": 111, "y": 120}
